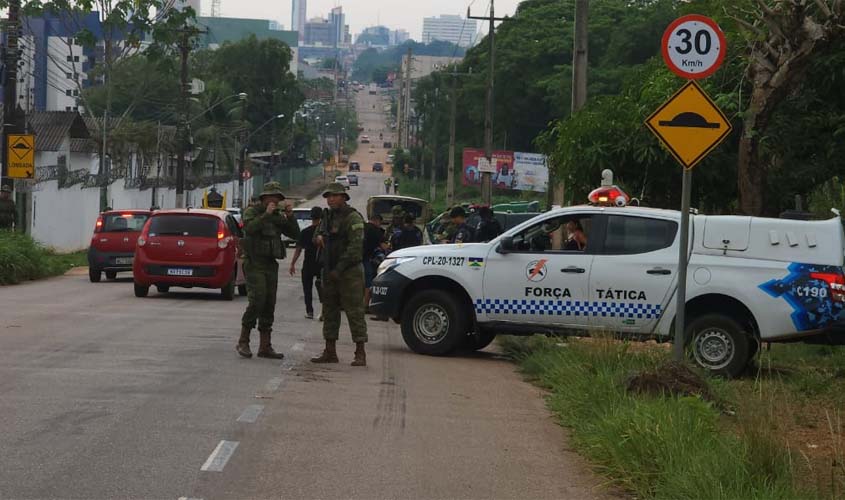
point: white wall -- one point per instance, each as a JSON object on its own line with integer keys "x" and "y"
{"x": 64, "y": 219}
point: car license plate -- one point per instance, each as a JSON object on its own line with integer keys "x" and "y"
{"x": 123, "y": 260}
{"x": 180, "y": 272}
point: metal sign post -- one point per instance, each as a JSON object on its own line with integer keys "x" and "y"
{"x": 683, "y": 261}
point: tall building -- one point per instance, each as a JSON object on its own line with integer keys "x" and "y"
{"x": 449, "y": 28}
{"x": 298, "y": 17}
{"x": 181, "y": 4}
{"x": 337, "y": 20}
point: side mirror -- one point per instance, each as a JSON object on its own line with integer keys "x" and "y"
{"x": 506, "y": 245}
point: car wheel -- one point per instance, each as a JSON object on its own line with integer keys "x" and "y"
{"x": 718, "y": 344}
{"x": 478, "y": 341}
{"x": 242, "y": 290}
{"x": 432, "y": 324}
{"x": 141, "y": 290}
{"x": 94, "y": 275}
{"x": 110, "y": 275}
{"x": 163, "y": 288}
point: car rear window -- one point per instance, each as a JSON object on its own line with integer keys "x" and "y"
{"x": 385, "y": 208}
{"x": 302, "y": 214}
{"x": 118, "y": 223}
{"x": 184, "y": 225}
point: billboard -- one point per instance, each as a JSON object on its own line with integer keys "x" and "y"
{"x": 512, "y": 170}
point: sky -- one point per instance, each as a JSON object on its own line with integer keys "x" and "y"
{"x": 405, "y": 14}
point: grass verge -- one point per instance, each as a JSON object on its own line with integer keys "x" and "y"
{"x": 23, "y": 259}
{"x": 661, "y": 447}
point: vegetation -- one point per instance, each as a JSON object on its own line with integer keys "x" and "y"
{"x": 374, "y": 66}
{"x": 22, "y": 259}
{"x": 751, "y": 439}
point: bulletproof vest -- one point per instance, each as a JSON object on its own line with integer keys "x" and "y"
{"x": 267, "y": 244}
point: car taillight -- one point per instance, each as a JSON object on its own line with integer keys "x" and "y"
{"x": 222, "y": 239}
{"x": 835, "y": 282}
{"x": 98, "y": 226}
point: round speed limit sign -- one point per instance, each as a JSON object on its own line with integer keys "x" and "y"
{"x": 694, "y": 47}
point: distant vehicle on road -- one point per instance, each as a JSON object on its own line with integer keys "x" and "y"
{"x": 354, "y": 166}
{"x": 378, "y": 167}
{"x": 387, "y": 145}
{"x": 365, "y": 139}
{"x": 342, "y": 180}
{"x": 353, "y": 179}
{"x": 112, "y": 248}
{"x": 189, "y": 248}
{"x": 372, "y": 151}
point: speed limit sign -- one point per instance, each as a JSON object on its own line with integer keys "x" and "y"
{"x": 694, "y": 46}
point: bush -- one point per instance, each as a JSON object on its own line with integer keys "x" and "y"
{"x": 654, "y": 446}
{"x": 22, "y": 259}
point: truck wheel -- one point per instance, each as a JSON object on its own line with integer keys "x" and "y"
{"x": 718, "y": 344}
{"x": 141, "y": 290}
{"x": 478, "y": 341}
{"x": 94, "y": 275}
{"x": 432, "y": 324}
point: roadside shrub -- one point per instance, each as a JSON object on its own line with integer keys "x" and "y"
{"x": 22, "y": 259}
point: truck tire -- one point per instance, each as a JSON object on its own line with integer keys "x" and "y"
{"x": 141, "y": 290}
{"x": 432, "y": 324}
{"x": 719, "y": 344}
{"x": 478, "y": 341}
{"x": 94, "y": 275}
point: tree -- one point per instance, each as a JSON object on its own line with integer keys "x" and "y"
{"x": 784, "y": 38}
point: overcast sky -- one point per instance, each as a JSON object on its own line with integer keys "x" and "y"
{"x": 406, "y": 14}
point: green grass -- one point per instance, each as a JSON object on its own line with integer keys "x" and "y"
{"x": 23, "y": 259}
{"x": 655, "y": 447}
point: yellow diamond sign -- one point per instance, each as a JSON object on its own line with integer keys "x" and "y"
{"x": 20, "y": 152}
{"x": 689, "y": 124}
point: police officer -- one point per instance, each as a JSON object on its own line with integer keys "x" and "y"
{"x": 8, "y": 211}
{"x": 262, "y": 246}
{"x": 396, "y": 222}
{"x": 342, "y": 237}
{"x": 463, "y": 232}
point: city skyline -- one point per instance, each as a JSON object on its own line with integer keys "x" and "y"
{"x": 361, "y": 14}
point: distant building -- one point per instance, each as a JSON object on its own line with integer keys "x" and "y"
{"x": 375, "y": 36}
{"x": 231, "y": 29}
{"x": 181, "y": 4}
{"x": 299, "y": 17}
{"x": 423, "y": 66}
{"x": 449, "y": 28}
{"x": 398, "y": 37}
{"x": 318, "y": 32}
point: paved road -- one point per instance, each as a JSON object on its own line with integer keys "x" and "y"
{"x": 104, "y": 395}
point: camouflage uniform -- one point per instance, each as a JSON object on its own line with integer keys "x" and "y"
{"x": 262, "y": 246}
{"x": 342, "y": 232}
{"x": 8, "y": 212}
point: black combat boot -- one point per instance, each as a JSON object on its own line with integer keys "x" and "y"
{"x": 265, "y": 349}
{"x": 243, "y": 343}
{"x": 329, "y": 353}
{"x": 360, "y": 355}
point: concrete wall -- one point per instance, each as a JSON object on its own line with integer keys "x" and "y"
{"x": 64, "y": 219}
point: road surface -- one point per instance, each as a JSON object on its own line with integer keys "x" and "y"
{"x": 105, "y": 395}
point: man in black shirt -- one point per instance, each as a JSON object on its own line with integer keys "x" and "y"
{"x": 373, "y": 253}
{"x": 409, "y": 236}
{"x": 311, "y": 263}
{"x": 489, "y": 228}
{"x": 463, "y": 233}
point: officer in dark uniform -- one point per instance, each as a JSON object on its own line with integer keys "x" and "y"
{"x": 8, "y": 212}
{"x": 262, "y": 246}
{"x": 463, "y": 232}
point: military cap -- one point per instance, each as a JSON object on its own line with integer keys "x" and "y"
{"x": 6, "y": 189}
{"x": 397, "y": 211}
{"x": 335, "y": 188}
{"x": 272, "y": 189}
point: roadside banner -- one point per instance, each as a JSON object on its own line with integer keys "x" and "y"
{"x": 517, "y": 171}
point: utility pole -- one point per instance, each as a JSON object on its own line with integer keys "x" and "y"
{"x": 579, "y": 81}
{"x": 242, "y": 165}
{"x": 185, "y": 35}
{"x": 486, "y": 177}
{"x": 433, "y": 185}
{"x": 405, "y": 138}
{"x": 10, "y": 87}
{"x": 453, "y": 111}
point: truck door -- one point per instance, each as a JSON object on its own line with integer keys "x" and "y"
{"x": 634, "y": 271}
{"x": 539, "y": 281}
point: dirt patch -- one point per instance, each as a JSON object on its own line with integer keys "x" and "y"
{"x": 670, "y": 378}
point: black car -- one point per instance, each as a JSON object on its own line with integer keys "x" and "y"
{"x": 354, "y": 167}
{"x": 353, "y": 179}
{"x": 378, "y": 167}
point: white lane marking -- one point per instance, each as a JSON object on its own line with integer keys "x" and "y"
{"x": 220, "y": 456}
{"x": 189, "y": 498}
{"x": 298, "y": 347}
{"x": 273, "y": 384}
{"x": 250, "y": 414}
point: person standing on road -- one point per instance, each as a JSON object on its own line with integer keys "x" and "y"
{"x": 489, "y": 228}
{"x": 264, "y": 225}
{"x": 387, "y": 182}
{"x": 8, "y": 211}
{"x": 463, "y": 233}
{"x": 409, "y": 236}
{"x": 396, "y": 185}
{"x": 396, "y": 222}
{"x": 374, "y": 252}
{"x": 310, "y": 264}
{"x": 341, "y": 236}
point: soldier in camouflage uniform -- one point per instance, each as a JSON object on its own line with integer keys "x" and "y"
{"x": 341, "y": 235}
{"x": 8, "y": 211}
{"x": 262, "y": 246}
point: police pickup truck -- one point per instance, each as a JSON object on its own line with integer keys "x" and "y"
{"x": 749, "y": 280}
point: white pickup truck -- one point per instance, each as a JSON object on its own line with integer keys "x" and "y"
{"x": 749, "y": 280}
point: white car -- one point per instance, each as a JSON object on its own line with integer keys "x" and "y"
{"x": 750, "y": 280}
{"x": 342, "y": 180}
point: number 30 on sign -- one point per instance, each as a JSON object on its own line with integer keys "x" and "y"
{"x": 694, "y": 47}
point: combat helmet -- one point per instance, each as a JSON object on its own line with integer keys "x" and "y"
{"x": 272, "y": 188}
{"x": 335, "y": 188}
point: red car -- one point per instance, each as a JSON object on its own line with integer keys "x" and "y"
{"x": 189, "y": 248}
{"x": 113, "y": 244}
